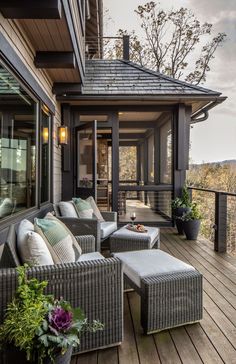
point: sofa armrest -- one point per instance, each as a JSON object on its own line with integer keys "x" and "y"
{"x": 109, "y": 215}
{"x": 95, "y": 286}
{"x": 86, "y": 242}
{"x": 79, "y": 226}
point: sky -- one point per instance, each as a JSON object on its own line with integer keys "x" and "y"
{"x": 214, "y": 139}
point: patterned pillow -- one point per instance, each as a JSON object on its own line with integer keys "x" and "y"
{"x": 83, "y": 208}
{"x": 60, "y": 241}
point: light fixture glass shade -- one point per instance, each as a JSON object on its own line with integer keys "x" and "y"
{"x": 63, "y": 135}
{"x": 45, "y": 135}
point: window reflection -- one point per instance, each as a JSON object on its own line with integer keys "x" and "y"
{"x": 17, "y": 146}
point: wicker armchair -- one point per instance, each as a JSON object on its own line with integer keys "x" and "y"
{"x": 95, "y": 286}
{"x": 83, "y": 226}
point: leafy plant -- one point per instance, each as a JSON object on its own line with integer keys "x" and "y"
{"x": 183, "y": 201}
{"x": 39, "y": 325}
{"x": 193, "y": 214}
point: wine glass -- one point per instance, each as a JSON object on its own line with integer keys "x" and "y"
{"x": 132, "y": 217}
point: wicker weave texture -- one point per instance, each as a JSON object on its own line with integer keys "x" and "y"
{"x": 95, "y": 286}
{"x": 170, "y": 300}
{"x": 87, "y": 243}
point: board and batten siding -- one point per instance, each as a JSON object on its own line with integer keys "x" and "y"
{"x": 17, "y": 38}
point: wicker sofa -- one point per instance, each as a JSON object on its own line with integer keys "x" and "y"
{"x": 93, "y": 285}
{"x": 82, "y": 226}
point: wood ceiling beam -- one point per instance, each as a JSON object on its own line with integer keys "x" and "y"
{"x": 29, "y": 9}
{"x": 62, "y": 88}
{"x": 54, "y": 60}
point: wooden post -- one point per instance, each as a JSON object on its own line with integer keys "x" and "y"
{"x": 67, "y": 156}
{"x": 181, "y": 147}
{"x": 115, "y": 161}
{"x": 220, "y": 244}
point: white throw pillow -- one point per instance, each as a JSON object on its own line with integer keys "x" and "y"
{"x": 24, "y": 228}
{"x": 96, "y": 211}
{"x": 67, "y": 209}
{"x": 36, "y": 251}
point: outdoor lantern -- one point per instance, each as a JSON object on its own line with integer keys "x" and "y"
{"x": 45, "y": 135}
{"x": 63, "y": 135}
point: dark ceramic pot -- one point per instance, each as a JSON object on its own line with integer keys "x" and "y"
{"x": 178, "y": 212}
{"x": 13, "y": 355}
{"x": 191, "y": 229}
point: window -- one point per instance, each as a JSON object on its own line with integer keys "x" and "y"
{"x": 19, "y": 174}
{"x": 17, "y": 146}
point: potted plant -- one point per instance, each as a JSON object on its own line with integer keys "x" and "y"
{"x": 191, "y": 221}
{"x": 181, "y": 205}
{"x": 40, "y": 329}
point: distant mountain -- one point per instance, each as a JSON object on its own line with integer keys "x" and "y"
{"x": 230, "y": 162}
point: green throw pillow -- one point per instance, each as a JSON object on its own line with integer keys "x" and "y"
{"x": 83, "y": 208}
{"x": 60, "y": 241}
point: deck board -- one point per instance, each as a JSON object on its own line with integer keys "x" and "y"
{"x": 212, "y": 341}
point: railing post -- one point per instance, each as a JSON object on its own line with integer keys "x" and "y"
{"x": 220, "y": 222}
{"x": 126, "y": 47}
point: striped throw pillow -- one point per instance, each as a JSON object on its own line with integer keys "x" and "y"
{"x": 83, "y": 208}
{"x": 60, "y": 241}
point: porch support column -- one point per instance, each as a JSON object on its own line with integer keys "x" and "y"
{"x": 115, "y": 161}
{"x": 181, "y": 146}
{"x": 67, "y": 156}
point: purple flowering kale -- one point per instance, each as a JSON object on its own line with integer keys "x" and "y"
{"x": 60, "y": 319}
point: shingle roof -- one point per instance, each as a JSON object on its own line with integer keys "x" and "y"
{"x": 119, "y": 77}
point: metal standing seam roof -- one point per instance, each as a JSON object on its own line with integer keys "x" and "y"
{"x": 119, "y": 77}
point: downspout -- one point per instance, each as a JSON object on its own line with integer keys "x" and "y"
{"x": 205, "y": 111}
{"x": 205, "y": 116}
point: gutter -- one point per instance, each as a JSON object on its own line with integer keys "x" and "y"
{"x": 196, "y": 117}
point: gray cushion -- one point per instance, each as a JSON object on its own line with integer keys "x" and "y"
{"x": 90, "y": 256}
{"x": 147, "y": 263}
{"x": 107, "y": 228}
{"x": 151, "y": 234}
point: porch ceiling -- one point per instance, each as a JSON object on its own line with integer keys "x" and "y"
{"x": 51, "y": 35}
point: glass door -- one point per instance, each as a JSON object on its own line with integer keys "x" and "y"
{"x": 87, "y": 160}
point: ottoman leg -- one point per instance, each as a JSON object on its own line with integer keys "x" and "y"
{"x": 169, "y": 300}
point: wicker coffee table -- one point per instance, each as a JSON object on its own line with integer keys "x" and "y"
{"x": 170, "y": 290}
{"x": 126, "y": 240}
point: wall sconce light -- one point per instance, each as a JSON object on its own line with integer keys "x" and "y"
{"x": 45, "y": 135}
{"x": 63, "y": 135}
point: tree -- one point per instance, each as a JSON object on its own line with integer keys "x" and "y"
{"x": 169, "y": 41}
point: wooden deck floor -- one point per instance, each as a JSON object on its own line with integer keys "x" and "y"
{"x": 211, "y": 341}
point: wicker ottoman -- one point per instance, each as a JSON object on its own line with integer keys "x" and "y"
{"x": 126, "y": 240}
{"x": 170, "y": 290}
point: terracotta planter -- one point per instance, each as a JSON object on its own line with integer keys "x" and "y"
{"x": 178, "y": 212}
{"x": 191, "y": 229}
